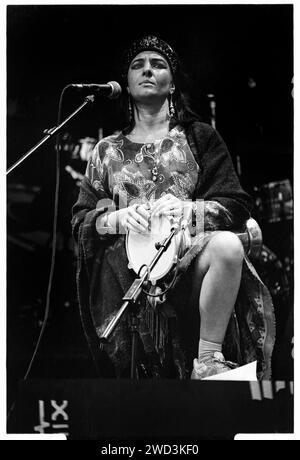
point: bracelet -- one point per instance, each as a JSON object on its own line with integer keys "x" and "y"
{"x": 198, "y": 215}
{"x": 104, "y": 227}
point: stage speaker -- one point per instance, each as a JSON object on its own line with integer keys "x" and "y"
{"x": 105, "y": 409}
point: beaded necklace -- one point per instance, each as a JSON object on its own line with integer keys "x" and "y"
{"x": 148, "y": 151}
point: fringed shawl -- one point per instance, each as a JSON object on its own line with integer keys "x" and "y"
{"x": 103, "y": 276}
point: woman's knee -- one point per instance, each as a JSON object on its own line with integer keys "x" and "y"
{"x": 227, "y": 248}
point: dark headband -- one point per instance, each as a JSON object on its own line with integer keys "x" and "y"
{"x": 150, "y": 43}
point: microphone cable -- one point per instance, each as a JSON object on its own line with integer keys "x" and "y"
{"x": 53, "y": 252}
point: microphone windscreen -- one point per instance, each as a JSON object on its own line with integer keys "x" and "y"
{"x": 116, "y": 89}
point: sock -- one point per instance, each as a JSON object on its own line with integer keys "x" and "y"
{"x": 208, "y": 348}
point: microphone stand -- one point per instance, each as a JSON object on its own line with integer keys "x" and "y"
{"x": 131, "y": 297}
{"x": 51, "y": 132}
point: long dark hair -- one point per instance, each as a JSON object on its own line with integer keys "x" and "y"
{"x": 184, "y": 114}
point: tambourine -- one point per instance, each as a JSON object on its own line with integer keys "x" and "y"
{"x": 141, "y": 247}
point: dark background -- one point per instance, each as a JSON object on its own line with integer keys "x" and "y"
{"x": 223, "y": 48}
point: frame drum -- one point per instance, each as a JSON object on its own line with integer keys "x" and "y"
{"x": 141, "y": 250}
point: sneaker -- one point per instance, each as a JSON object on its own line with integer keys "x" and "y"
{"x": 211, "y": 365}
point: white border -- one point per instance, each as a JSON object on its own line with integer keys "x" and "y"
{"x": 3, "y": 194}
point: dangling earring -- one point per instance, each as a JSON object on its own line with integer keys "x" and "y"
{"x": 171, "y": 106}
{"x": 130, "y": 110}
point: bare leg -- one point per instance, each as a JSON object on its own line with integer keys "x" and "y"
{"x": 217, "y": 277}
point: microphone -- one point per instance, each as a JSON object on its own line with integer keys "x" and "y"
{"x": 112, "y": 89}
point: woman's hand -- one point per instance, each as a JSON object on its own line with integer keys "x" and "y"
{"x": 168, "y": 205}
{"x": 136, "y": 218}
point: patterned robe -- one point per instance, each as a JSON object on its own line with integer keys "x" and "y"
{"x": 192, "y": 164}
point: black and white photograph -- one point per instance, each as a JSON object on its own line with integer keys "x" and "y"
{"x": 150, "y": 223}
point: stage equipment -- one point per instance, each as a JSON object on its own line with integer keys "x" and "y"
{"x": 110, "y": 411}
{"x": 51, "y": 132}
{"x": 112, "y": 89}
{"x": 274, "y": 202}
{"x": 274, "y": 276}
